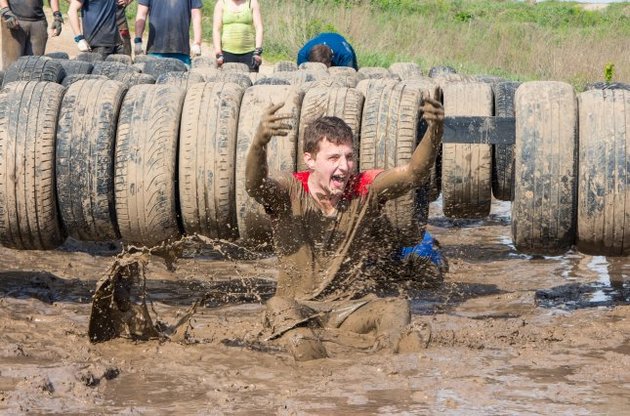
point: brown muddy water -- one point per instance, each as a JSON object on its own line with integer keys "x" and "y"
{"x": 510, "y": 334}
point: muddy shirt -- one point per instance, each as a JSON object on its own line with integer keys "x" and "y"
{"x": 169, "y": 25}
{"x": 321, "y": 257}
{"x": 30, "y": 10}
{"x": 98, "y": 19}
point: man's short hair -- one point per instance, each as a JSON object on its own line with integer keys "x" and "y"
{"x": 333, "y": 129}
{"x": 321, "y": 53}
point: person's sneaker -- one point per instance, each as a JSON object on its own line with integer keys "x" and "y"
{"x": 415, "y": 338}
{"x": 304, "y": 345}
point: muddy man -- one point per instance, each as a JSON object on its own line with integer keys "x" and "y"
{"x": 328, "y": 237}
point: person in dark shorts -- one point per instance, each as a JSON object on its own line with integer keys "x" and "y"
{"x": 24, "y": 28}
{"x": 331, "y": 49}
{"x": 328, "y": 237}
{"x": 96, "y": 31}
{"x": 169, "y": 25}
{"x": 124, "y": 41}
{"x": 237, "y": 32}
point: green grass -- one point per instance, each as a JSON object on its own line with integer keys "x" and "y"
{"x": 549, "y": 40}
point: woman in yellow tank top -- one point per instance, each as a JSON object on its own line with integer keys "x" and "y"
{"x": 237, "y": 32}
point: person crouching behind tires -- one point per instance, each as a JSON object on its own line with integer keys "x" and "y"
{"x": 331, "y": 49}
{"x": 327, "y": 230}
{"x": 237, "y": 33}
{"x": 24, "y": 28}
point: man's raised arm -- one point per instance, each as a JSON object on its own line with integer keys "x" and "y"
{"x": 394, "y": 182}
{"x": 258, "y": 184}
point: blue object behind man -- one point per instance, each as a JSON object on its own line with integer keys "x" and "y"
{"x": 343, "y": 53}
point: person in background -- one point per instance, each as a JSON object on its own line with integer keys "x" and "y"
{"x": 169, "y": 26}
{"x": 24, "y": 28}
{"x": 331, "y": 49}
{"x": 124, "y": 45}
{"x": 95, "y": 31}
{"x": 237, "y": 32}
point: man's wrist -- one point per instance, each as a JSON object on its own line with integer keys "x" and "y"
{"x": 137, "y": 39}
{"x": 258, "y": 51}
{"x": 57, "y": 14}
{"x": 78, "y": 38}
{"x": 219, "y": 56}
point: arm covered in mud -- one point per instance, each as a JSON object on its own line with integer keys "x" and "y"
{"x": 258, "y": 184}
{"x": 394, "y": 182}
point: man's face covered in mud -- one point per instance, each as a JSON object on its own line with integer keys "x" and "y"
{"x": 331, "y": 167}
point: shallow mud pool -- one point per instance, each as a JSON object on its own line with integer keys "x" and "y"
{"x": 510, "y": 334}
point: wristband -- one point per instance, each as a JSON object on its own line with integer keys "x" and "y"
{"x": 78, "y": 38}
{"x": 258, "y": 51}
{"x": 137, "y": 39}
{"x": 57, "y": 14}
{"x": 219, "y": 56}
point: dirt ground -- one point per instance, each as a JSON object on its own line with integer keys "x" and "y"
{"x": 510, "y": 334}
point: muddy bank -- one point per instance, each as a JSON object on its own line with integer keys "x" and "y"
{"x": 510, "y": 334}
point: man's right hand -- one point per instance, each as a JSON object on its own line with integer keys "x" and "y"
{"x": 9, "y": 18}
{"x": 137, "y": 46}
{"x": 271, "y": 125}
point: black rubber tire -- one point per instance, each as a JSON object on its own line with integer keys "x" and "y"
{"x": 254, "y": 225}
{"x": 375, "y": 72}
{"x": 545, "y": 171}
{"x": 467, "y": 168}
{"x": 1, "y": 76}
{"x": 406, "y": 70}
{"x": 341, "y": 70}
{"x": 607, "y": 86}
{"x": 603, "y": 212}
{"x": 71, "y": 67}
{"x": 157, "y": 67}
{"x": 180, "y": 79}
{"x": 112, "y": 70}
{"x": 285, "y": 66}
{"x": 489, "y": 79}
{"x": 203, "y": 62}
{"x": 240, "y": 78}
{"x": 389, "y": 134}
{"x": 271, "y": 80}
{"x": 86, "y": 136}
{"x": 440, "y": 70}
{"x": 138, "y": 59}
{"x": 134, "y": 78}
{"x": 89, "y": 57}
{"x": 145, "y": 167}
{"x": 313, "y": 66}
{"x": 119, "y": 57}
{"x": 206, "y": 73}
{"x": 29, "y": 219}
{"x": 207, "y": 157}
{"x": 57, "y": 55}
{"x": 34, "y": 68}
{"x": 330, "y": 82}
{"x": 235, "y": 67}
{"x": 345, "y": 103}
{"x": 71, "y": 79}
{"x": 503, "y": 154}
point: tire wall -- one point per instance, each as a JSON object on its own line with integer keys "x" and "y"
{"x": 28, "y": 207}
{"x": 345, "y": 103}
{"x": 503, "y": 154}
{"x": 146, "y": 156}
{"x": 86, "y": 138}
{"x": 207, "y": 156}
{"x": 543, "y": 210}
{"x": 467, "y": 168}
{"x": 603, "y": 222}
{"x": 253, "y": 223}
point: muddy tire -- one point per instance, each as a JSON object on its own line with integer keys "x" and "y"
{"x": 313, "y": 66}
{"x": 440, "y": 70}
{"x": 29, "y": 219}
{"x": 285, "y": 66}
{"x": 75, "y": 67}
{"x": 140, "y": 59}
{"x": 133, "y": 78}
{"x": 375, "y": 72}
{"x": 207, "y": 156}
{"x": 467, "y": 168}
{"x": 89, "y": 57}
{"x": 545, "y": 172}
{"x": 272, "y": 80}
{"x": 389, "y": 134}
{"x": 238, "y": 67}
{"x": 345, "y": 103}
{"x": 57, "y": 55}
{"x": 157, "y": 67}
{"x": 603, "y": 214}
{"x": 239, "y": 78}
{"x": 503, "y": 154}
{"x": 112, "y": 70}
{"x": 608, "y": 86}
{"x": 254, "y": 225}
{"x": 146, "y": 156}
{"x": 117, "y": 57}
{"x": 406, "y": 70}
{"x": 203, "y": 62}
{"x": 86, "y": 137}
{"x": 180, "y": 79}
{"x": 34, "y": 68}
{"x": 71, "y": 79}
